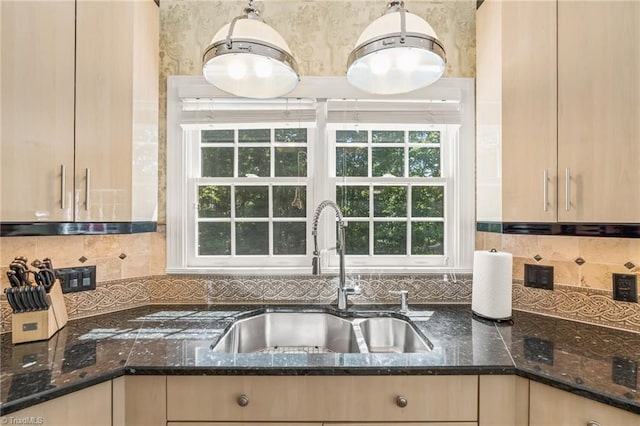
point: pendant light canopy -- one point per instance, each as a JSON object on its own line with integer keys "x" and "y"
{"x": 397, "y": 53}
{"x": 248, "y": 58}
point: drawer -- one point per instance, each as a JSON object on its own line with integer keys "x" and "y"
{"x": 322, "y": 398}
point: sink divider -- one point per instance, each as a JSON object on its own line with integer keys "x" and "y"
{"x": 362, "y": 344}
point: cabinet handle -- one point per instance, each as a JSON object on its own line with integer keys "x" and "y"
{"x": 545, "y": 190}
{"x": 87, "y": 187}
{"x": 592, "y": 423}
{"x": 401, "y": 401}
{"x": 567, "y": 188}
{"x": 243, "y": 400}
{"x": 63, "y": 184}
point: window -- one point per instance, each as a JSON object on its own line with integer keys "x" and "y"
{"x": 244, "y": 177}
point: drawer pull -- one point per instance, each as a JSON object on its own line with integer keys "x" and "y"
{"x": 401, "y": 401}
{"x": 243, "y": 400}
{"x": 592, "y": 423}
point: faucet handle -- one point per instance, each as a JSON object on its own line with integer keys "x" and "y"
{"x": 315, "y": 264}
{"x": 404, "y": 296}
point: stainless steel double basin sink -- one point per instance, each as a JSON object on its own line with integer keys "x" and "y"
{"x": 314, "y": 332}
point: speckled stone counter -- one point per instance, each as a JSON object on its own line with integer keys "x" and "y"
{"x": 595, "y": 362}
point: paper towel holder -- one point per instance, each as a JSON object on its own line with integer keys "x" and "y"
{"x": 492, "y": 293}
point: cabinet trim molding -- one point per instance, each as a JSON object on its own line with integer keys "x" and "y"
{"x": 631, "y": 230}
{"x": 40, "y": 229}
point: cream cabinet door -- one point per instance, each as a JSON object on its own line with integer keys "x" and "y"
{"x": 37, "y": 80}
{"x": 489, "y": 111}
{"x": 86, "y": 407}
{"x": 116, "y": 110}
{"x": 529, "y": 114}
{"x": 598, "y": 111}
{"x": 550, "y": 407}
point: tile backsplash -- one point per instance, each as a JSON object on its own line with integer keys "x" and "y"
{"x": 584, "y": 262}
{"x": 583, "y": 268}
{"x": 115, "y": 256}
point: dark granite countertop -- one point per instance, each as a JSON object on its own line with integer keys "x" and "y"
{"x": 591, "y": 361}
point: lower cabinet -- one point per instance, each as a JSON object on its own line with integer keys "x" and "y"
{"x": 505, "y": 400}
{"x": 86, "y": 407}
{"x": 323, "y": 399}
{"x": 140, "y": 401}
{"x": 550, "y": 407}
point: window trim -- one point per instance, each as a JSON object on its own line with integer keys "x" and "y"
{"x": 178, "y": 166}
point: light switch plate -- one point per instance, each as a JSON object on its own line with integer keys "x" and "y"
{"x": 538, "y": 276}
{"x": 625, "y": 287}
{"x": 80, "y": 278}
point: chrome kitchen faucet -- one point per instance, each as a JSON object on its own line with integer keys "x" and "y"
{"x": 343, "y": 290}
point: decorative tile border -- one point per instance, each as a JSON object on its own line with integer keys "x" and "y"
{"x": 305, "y": 289}
{"x": 108, "y": 297}
{"x": 578, "y": 304}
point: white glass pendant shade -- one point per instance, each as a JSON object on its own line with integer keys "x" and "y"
{"x": 388, "y": 60}
{"x": 257, "y": 63}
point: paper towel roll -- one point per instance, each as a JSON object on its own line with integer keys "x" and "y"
{"x": 492, "y": 280}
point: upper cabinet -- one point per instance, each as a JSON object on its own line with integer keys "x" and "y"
{"x": 599, "y": 111}
{"x": 37, "y": 91}
{"x": 570, "y": 102}
{"x": 79, "y": 138}
{"x": 529, "y": 114}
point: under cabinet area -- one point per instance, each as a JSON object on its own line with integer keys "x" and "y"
{"x": 79, "y": 83}
{"x": 323, "y": 398}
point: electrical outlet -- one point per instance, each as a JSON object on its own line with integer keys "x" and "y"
{"x": 80, "y": 278}
{"x": 538, "y": 276}
{"x": 625, "y": 287}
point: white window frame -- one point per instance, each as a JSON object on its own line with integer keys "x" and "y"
{"x": 460, "y": 227}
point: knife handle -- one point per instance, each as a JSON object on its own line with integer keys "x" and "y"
{"x": 43, "y": 298}
{"x": 14, "y": 281}
{"x": 10, "y": 298}
{"x": 17, "y": 298}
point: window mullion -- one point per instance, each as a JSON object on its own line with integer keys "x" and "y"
{"x": 371, "y": 217}
{"x": 233, "y": 219}
{"x": 270, "y": 219}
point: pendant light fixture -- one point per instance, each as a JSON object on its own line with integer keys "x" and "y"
{"x": 397, "y": 53}
{"x": 248, "y": 58}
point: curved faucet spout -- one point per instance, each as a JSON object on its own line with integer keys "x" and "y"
{"x": 340, "y": 248}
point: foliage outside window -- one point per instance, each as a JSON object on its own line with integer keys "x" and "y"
{"x": 399, "y": 212}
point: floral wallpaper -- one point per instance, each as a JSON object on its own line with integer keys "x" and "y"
{"x": 320, "y": 34}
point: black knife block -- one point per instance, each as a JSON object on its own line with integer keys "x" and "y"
{"x": 40, "y": 325}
